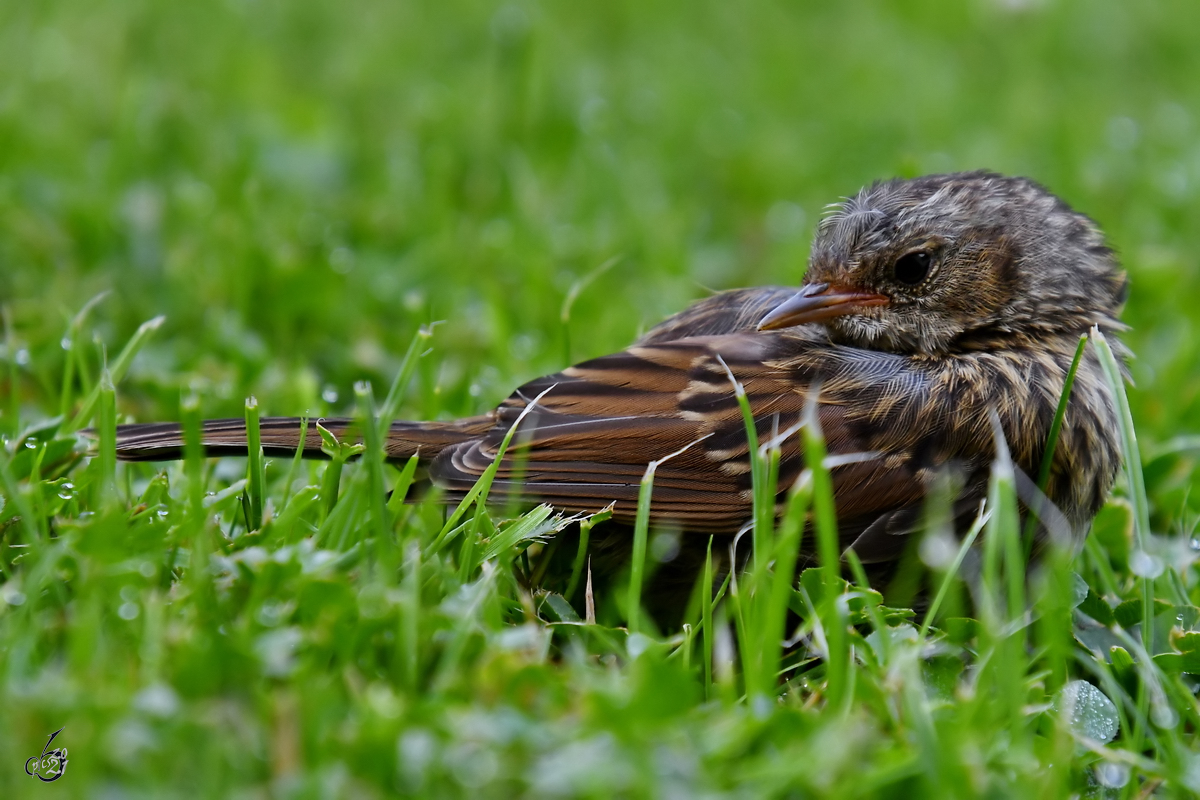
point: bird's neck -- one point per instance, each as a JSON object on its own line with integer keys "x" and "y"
{"x": 1023, "y": 381}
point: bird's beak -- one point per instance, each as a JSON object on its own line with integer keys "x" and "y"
{"x": 816, "y": 302}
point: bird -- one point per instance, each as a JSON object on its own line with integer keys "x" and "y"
{"x": 936, "y": 315}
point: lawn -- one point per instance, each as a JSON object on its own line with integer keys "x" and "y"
{"x": 202, "y": 202}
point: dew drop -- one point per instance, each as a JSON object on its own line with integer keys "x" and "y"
{"x": 158, "y": 700}
{"x": 1145, "y": 565}
{"x": 1088, "y": 712}
{"x": 1162, "y": 715}
{"x": 1111, "y": 775}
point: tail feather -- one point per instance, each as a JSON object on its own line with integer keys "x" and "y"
{"x": 164, "y": 441}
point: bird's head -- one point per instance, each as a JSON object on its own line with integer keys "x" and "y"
{"x": 955, "y": 262}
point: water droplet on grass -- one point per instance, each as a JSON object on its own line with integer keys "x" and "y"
{"x": 158, "y": 700}
{"x": 416, "y": 749}
{"x": 938, "y": 549}
{"x": 383, "y": 701}
{"x": 637, "y": 643}
{"x": 1145, "y": 565}
{"x": 276, "y": 651}
{"x": 762, "y": 706}
{"x": 1162, "y": 714}
{"x": 1111, "y": 775}
{"x": 1088, "y": 712}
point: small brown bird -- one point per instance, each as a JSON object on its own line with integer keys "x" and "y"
{"x": 928, "y": 306}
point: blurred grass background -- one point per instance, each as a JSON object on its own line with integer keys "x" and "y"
{"x": 298, "y": 186}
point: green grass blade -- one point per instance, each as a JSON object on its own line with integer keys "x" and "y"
{"x": 1133, "y": 474}
{"x": 641, "y": 529}
{"x": 783, "y": 578}
{"x": 13, "y": 412}
{"x": 706, "y": 619}
{"x": 404, "y": 482}
{"x": 106, "y": 423}
{"x": 763, "y": 497}
{"x": 372, "y": 460}
{"x": 479, "y": 492}
{"x": 1060, "y": 413}
{"x": 822, "y": 492}
{"x": 294, "y": 466}
{"x": 70, "y": 343}
{"x": 981, "y": 519}
{"x": 256, "y": 476}
{"x": 408, "y": 366}
{"x": 637, "y": 561}
{"x": 572, "y": 295}
{"x": 117, "y": 370}
{"x": 193, "y": 456}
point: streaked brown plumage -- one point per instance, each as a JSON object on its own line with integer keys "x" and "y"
{"x": 927, "y": 305}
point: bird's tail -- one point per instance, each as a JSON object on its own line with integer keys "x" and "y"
{"x": 281, "y": 436}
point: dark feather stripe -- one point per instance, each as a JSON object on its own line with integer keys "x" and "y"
{"x": 280, "y": 436}
{"x": 162, "y": 442}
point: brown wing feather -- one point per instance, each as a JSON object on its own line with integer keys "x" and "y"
{"x": 280, "y": 436}
{"x": 587, "y": 443}
{"x": 724, "y": 313}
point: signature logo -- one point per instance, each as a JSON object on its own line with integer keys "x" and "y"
{"x": 51, "y": 764}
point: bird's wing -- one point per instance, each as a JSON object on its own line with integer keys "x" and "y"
{"x": 735, "y": 311}
{"x": 587, "y": 442}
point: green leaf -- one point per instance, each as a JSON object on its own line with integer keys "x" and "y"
{"x": 1122, "y": 666}
{"x": 57, "y": 451}
{"x": 1095, "y": 607}
{"x": 1113, "y": 528}
{"x": 960, "y": 629}
{"x": 1187, "y": 659}
{"x": 1129, "y": 613}
{"x": 558, "y": 609}
{"x": 821, "y": 585}
{"x": 534, "y": 524}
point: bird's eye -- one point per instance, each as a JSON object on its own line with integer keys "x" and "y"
{"x": 912, "y": 268}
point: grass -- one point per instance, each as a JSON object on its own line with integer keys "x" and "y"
{"x": 207, "y": 202}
